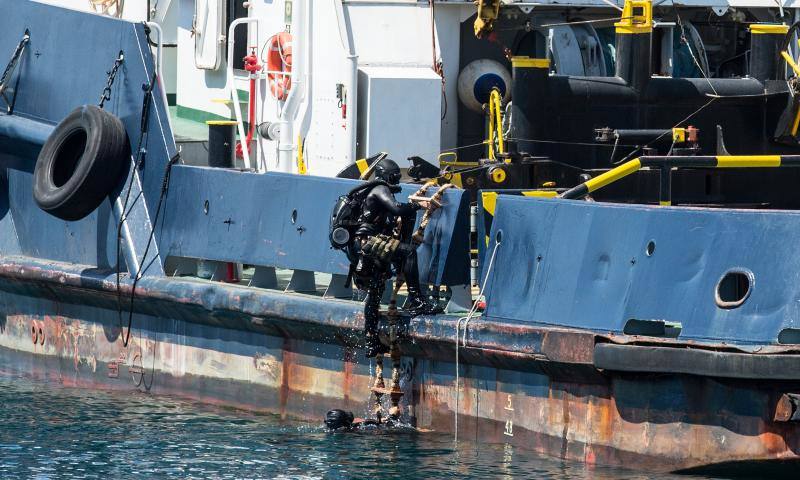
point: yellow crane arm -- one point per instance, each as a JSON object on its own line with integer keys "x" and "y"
{"x": 488, "y": 11}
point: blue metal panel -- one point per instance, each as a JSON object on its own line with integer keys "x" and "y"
{"x": 584, "y": 265}
{"x": 281, "y": 220}
{"x": 444, "y": 254}
{"x": 64, "y": 67}
{"x": 9, "y": 245}
{"x": 91, "y": 241}
{"x": 480, "y": 234}
{"x": 16, "y": 131}
{"x": 482, "y": 221}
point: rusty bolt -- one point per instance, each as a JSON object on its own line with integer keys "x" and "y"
{"x": 692, "y": 134}
{"x": 786, "y": 410}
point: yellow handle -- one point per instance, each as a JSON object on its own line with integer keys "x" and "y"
{"x": 301, "y": 163}
{"x": 790, "y": 61}
{"x": 444, "y": 155}
{"x": 495, "y": 124}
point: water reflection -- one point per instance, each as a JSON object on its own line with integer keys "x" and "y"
{"x": 54, "y": 432}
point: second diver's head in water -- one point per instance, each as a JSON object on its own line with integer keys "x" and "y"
{"x": 388, "y": 171}
{"x": 339, "y": 419}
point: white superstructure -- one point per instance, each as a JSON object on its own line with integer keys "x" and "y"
{"x": 374, "y": 75}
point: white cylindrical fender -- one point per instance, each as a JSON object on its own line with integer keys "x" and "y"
{"x": 477, "y": 80}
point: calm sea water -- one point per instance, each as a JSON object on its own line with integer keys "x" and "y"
{"x": 48, "y": 431}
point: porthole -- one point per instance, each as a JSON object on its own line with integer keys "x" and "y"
{"x": 734, "y": 288}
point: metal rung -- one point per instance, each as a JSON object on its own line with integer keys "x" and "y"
{"x": 387, "y": 391}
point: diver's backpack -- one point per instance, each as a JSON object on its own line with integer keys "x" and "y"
{"x": 345, "y": 214}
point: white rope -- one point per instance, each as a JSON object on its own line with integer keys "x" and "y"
{"x": 609, "y": 2}
{"x": 466, "y": 321}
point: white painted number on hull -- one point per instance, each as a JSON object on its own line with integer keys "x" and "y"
{"x": 509, "y": 428}
{"x": 509, "y": 423}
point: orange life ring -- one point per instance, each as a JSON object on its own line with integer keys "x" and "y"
{"x": 279, "y": 59}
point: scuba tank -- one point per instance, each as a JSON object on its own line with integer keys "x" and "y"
{"x": 345, "y": 214}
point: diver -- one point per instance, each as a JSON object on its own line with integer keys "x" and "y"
{"x": 338, "y": 420}
{"x": 378, "y": 251}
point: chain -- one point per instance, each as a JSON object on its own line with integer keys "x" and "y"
{"x": 12, "y": 64}
{"x": 112, "y": 74}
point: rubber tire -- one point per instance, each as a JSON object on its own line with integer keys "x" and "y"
{"x": 73, "y": 177}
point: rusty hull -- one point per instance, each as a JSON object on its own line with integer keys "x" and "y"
{"x": 533, "y": 387}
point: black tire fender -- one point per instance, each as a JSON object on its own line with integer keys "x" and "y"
{"x": 81, "y": 163}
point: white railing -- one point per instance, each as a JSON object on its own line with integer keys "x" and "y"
{"x": 160, "y": 66}
{"x": 231, "y": 87}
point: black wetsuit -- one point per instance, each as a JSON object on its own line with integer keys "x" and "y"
{"x": 379, "y": 216}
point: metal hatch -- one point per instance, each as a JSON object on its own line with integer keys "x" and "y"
{"x": 209, "y": 39}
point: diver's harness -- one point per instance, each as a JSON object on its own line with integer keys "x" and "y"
{"x": 380, "y": 249}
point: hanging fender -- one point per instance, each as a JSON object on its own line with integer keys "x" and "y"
{"x": 279, "y": 63}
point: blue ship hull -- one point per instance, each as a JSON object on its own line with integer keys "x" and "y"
{"x": 537, "y": 388}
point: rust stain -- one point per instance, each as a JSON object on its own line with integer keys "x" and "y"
{"x": 574, "y": 420}
{"x": 565, "y": 419}
{"x": 267, "y": 365}
{"x": 773, "y": 443}
{"x": 601, "y": 424}
{"x": 347, "y": 373}
{"x": 590, "y": 458}
{"x": 285, "y": 373}
{"x": 466, "y": 396}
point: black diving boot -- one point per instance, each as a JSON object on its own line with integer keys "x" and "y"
{"x": 417, "y": 304}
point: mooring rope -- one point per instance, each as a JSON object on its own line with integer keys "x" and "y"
{"x": 466, "y": 321}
